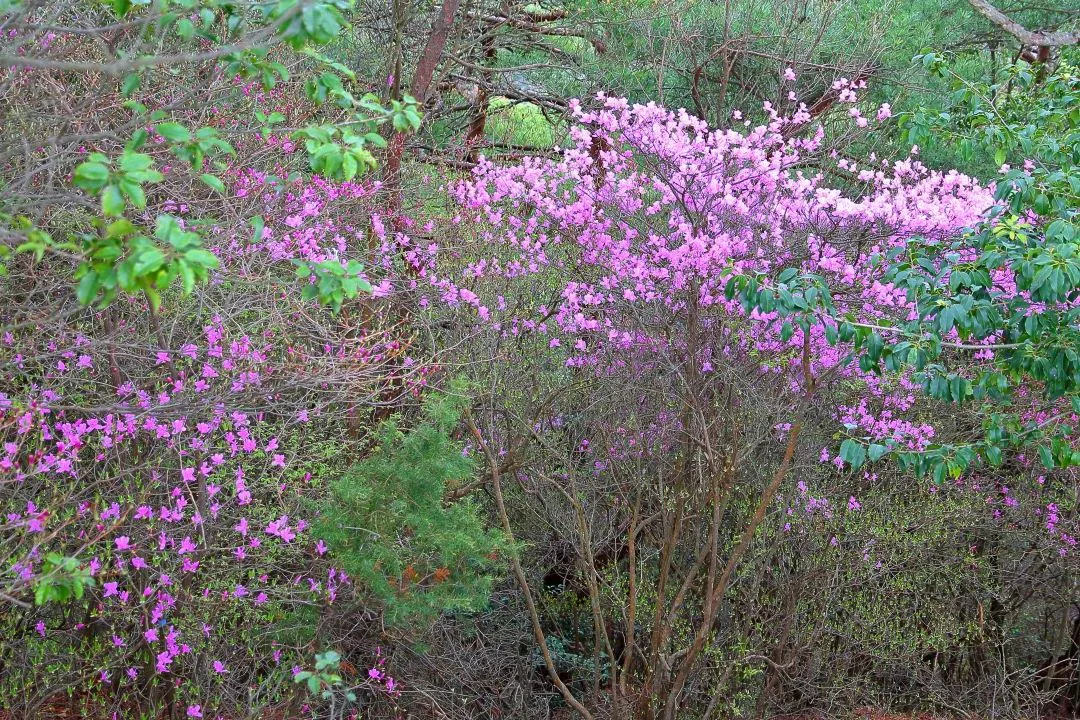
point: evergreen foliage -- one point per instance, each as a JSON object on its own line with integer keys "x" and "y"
{"x": 389, "y": 526}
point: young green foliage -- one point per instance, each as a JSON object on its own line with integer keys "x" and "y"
{"x": 333, "y": 282}
{"x": 122, "y": 259}
{"x": 326, "y": 678}
{"x": 62, "y": 579}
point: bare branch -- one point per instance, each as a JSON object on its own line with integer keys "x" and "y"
{"x": 1021, "y": 33}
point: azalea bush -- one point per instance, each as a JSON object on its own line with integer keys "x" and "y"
{"x": 170, "y": 456}
{"x": 692, "y": 326}
{"x": 173, "y": 394}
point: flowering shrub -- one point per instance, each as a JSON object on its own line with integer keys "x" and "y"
{"x": 182, "y": 494}
{"x": 170, "y": 400}
{"x": 722, "y": 315}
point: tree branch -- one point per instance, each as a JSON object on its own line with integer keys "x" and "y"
{"x": 1021, "y": 33}
{"x": 519, "y": 574}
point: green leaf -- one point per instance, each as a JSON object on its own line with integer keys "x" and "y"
{"x": 86, "y": 290}
{"x": 1047, "y": 457}
{"x": 349, "y": 167}
{"x": 148, "y": 261}
{"x": 133, "y": 162}
{"x": 91, "y": 176}
{"x": 214, "y": 182}
{"x": 134, "y": 106}
{"x": 134, "y": 193}
{"x": 185, "y": 29}
{"x": 130, "y": 84}
{"x": 173, "y": 132}
{"x": 187, "y": 276}
{"x": 166, "y": 226}
{"x": 138, "y": 139}
{"x": 202, "y": 257}
{"x": 853, "y": 453}
{"x": 112, "y": 201}
{"x": 125, "y": 276}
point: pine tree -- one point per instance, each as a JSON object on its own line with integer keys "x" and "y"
{"x": 389, "y": 527}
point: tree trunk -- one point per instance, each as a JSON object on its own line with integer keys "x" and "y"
{"x": 421, "y": 83}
